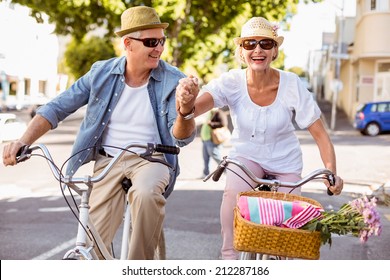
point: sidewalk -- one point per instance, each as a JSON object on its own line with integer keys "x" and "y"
{"x": 342, "y": 124}
{"x": 343, "y": 127}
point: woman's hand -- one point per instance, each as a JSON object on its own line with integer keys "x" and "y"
{"x": 338, "y": 186}
{"x": 186, "y": 92}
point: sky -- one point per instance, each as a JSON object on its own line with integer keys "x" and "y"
{"x": 307, "y": 27}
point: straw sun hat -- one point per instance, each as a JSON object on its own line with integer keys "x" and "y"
{"x": 139, "y": 18}
{"x": 259, "y": 27}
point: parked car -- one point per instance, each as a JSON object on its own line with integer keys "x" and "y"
{"x": 373, "y": 118}
{"x": 11, "y": 128}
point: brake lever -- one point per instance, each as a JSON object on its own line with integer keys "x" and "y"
{"x": 23, "y": 154}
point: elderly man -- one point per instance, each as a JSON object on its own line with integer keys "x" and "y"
{"x": 130, "y": 99}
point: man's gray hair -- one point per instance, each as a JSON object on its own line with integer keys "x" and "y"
{"x": 135, "y": 34}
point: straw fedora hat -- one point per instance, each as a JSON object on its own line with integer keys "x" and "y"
{"x": 139, "y": 18}
{"x": 259, "y": 27}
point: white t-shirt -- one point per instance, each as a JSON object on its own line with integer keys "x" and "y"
{"x": 132, "y": 121}
{"x": 266, "y": 134}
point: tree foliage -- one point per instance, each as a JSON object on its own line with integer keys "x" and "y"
{"x": 200, "y": 32}
{"x": 79, "y": 56}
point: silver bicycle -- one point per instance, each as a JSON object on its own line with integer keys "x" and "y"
{"x": 267, "y": 186}
{"x": 88, "y": 239}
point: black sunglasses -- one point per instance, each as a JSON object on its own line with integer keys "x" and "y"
{"x": 151, "y": 42}
{"x": 265, "y": 44}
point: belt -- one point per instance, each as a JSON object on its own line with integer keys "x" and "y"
{"x": 103, "y": 153}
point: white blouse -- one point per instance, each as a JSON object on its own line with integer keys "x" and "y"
{"x": 266, "y": 134}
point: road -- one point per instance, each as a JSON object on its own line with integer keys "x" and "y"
{"x": 37, "y": 224}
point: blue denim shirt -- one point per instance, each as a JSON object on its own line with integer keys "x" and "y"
{"x": 100, "y": 90}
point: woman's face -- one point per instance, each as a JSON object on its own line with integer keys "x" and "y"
{"x": 259, "y": 52}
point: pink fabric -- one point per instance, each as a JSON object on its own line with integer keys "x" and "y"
{"x": 291, "y": 214}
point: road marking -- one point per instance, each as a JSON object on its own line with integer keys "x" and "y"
{"x": 54, "y": 209}
{"x": 56, "y": 250}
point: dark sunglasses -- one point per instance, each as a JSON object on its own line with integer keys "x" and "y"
{"x": 265, "y": 44}
{"x": 151, "y": 42}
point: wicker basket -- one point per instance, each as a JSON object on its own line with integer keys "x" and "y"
{"x": 272, "y": 240}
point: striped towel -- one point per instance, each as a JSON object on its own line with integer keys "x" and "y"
{"x": 291, "y": 214}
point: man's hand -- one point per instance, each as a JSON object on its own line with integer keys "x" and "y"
{"x": 9, "y": 152}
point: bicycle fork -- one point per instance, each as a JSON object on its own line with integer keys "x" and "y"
{"x": 81, "y": 250}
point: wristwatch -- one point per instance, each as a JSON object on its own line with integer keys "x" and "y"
{"x": 187, "y": 116}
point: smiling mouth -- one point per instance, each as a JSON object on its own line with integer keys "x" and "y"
{"x": 258, "y": 58}
{"x": 154, "y": 57}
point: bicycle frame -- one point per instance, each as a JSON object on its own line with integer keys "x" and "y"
{"x": 83, "y": 187}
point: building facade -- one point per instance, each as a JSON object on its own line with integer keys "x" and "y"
{"x": 356, "y": 68}
{"x": 28, "y": 58}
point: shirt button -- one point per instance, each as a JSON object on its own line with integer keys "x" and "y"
{"x": 103, "y": 123}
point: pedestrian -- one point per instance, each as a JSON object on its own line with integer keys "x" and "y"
{"x": 262, "y": 102}
{"x": 216, "y": 118}
{"x": 130, "y": 99}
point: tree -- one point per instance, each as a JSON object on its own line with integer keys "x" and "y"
{"x": 200, "y": 32}
{"x": 79, "y": 56}
{"x": 298, "y": 70}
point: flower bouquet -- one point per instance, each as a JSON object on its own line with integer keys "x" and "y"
{"x": 358, "y": 217}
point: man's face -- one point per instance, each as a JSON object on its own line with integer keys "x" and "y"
{"x": 146, "y": 54}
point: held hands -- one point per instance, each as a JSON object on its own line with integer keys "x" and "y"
{"x": 186, "y": 93}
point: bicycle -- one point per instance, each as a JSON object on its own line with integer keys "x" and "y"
{"x": 251, "y": 239}
{"x": 87, "y": 238}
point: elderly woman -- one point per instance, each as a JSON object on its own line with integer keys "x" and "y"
{"x": 263, "y": 102}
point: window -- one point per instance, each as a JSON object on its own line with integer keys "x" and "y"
{"x": 384, "y": 67}
{"x": 379, "y": 5}
{"x": 373, "y": 5}
{"x": 382, "y": 107}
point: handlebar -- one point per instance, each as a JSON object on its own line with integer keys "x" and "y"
{"x": 26, "y": 151}
{"x": 274, "y": 184}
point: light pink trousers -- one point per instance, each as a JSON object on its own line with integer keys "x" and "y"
{"x": 235, "y": 185}
{"x": 146, "y": 198}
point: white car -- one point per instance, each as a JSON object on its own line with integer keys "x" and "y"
{"x": 11, "y": 128}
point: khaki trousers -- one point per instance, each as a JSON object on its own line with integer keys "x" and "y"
{"x": 108, "y": 198}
